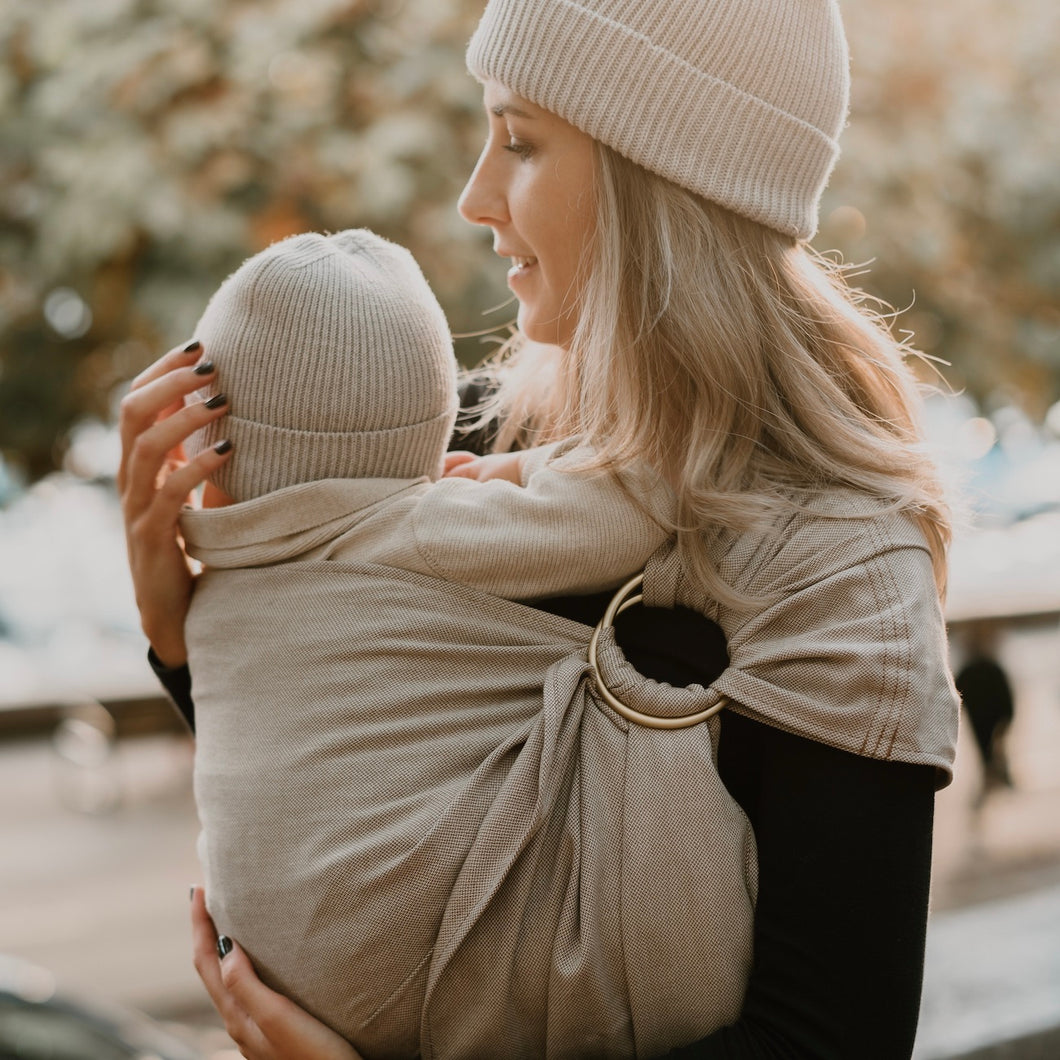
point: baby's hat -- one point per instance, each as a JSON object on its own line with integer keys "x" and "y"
{"x": 337, "y": 361}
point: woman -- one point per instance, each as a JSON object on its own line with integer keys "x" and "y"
{"x": 652, "y": 172}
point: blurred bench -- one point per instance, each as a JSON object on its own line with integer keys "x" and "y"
{"x": 129, "y": 716}
{"x": 87, "y": 738}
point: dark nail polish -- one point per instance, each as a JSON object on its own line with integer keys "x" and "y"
{"x": 216, "y": 401}
{"x": 222, "y": 447}
{"x": 206, "y": 368}
{"x": 193, "y": 346}
{"x": 224, "y": 946}
{"x": 191, "y": 893}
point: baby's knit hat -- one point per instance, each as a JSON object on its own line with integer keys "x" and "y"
{"x": 741, "y": 101}
{"x": 337, "y": 362}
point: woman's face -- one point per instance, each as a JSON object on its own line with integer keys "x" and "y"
{"x": 534, "y": 185}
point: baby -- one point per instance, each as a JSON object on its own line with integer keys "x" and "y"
{"x": 366, "y": 681}
{"x": 338, "y": 364}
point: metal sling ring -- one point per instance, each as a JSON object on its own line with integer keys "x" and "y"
{"x": 619, "y": 603}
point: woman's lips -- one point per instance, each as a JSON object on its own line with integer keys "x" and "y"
{"x": 520, "y": 267}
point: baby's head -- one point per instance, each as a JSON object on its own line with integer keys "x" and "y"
{"x": 337, "y": 362}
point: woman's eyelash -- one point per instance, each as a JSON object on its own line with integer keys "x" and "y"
{"x": 520, "y": 148}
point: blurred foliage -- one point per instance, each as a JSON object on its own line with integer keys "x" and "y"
{"x": 148, "y": 146}
{"x": 950, "y": 185}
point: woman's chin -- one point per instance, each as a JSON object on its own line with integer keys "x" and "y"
{"x": 551, "y": 332}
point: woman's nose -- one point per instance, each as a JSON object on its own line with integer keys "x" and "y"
{"x": 482, "y": 202}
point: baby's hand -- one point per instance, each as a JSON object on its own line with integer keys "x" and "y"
{"x": 508, "y": 466}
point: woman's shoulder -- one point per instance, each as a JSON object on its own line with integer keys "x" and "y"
{"x": 846, "y": 643}
{"x": 822, "y": 535}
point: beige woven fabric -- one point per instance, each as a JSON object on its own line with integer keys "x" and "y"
{"x": 741, "y": 101}
{"x": 557, "y": 533}
{"x": 426, "y": 828}
{"x": 853, "y": 651}
{"x": 424, "y": 850}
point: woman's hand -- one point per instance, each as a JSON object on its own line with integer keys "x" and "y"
{"x": 508, "y": 466}
{"x": 265, "y": 1025}
{"x": 154, "y": 482}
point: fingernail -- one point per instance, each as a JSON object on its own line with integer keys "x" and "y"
{"x": 216, "y": 401}
{"x": 205, "y": 368}
{"x": 193, "y": 346}
{"x": 191, "y": 893}
{"x": 222, "y": 447}
{"x": 224, "y": 946}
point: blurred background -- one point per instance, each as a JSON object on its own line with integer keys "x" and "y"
{"x": 148, "y": 146}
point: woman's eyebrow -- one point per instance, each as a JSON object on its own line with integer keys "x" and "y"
{"x": 501, "y": 109}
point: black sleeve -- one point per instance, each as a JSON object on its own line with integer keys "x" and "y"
{"x": 176, "y": 680}
{"x": 844, "y": 848}
{"x": 844, "y": 851}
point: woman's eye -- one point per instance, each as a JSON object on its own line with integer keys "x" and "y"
{"x": 520, "y": 148}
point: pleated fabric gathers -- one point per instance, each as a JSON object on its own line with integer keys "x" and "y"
{"x": 439, "y": 859}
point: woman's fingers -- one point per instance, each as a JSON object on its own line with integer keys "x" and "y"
{"x": 161, "y": 386}
{"x": 264, "y": 1024}
{"x": 158, "y": 512}
{"x": 242, "y": 989}
{"x": 179, "y": 483}
{"x": 155, "y": 481}
{"x": 162, "y": 579}
{"x": 286, "y": 1031}
{"x": 207, "y": 960}
{"x": 205, "y": 955}
{"x": 143, "y": 408}
{"x": 178, "y": 357}
{"x": 149, "y": 451}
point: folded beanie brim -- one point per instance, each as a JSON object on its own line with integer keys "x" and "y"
{"x": 657, "y": 108}
{"x": 267, "y": 458}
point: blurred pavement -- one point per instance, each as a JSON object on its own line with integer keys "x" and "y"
{"x": 100, "y": 899}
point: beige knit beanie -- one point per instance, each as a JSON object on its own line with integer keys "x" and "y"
{"x": 741, "y": 101}
{"x": 337, "y": 362}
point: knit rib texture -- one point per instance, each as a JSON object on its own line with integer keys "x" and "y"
{"x": 741, "y": 101}
{"x": 337, "y": 362}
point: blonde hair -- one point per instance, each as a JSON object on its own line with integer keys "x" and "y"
{"x": 733, "y": 359}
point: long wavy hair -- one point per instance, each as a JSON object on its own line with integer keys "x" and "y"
{"x": 733, "y": 359}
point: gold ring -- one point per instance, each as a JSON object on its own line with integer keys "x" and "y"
{"x": 619, "y": 602}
